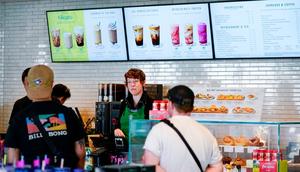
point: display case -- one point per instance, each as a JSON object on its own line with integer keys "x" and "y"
{"x": 246, "y": 142}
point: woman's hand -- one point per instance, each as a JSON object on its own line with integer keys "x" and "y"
{"x": 119, "y": 133}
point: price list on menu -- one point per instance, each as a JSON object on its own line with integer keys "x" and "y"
{"x": 258, "y": 29}
{"x": 168, "y": 32}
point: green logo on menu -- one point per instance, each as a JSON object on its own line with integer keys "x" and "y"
{"x": 67, "y": 36}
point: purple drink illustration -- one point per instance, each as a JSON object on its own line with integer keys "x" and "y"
{"x": 202, "y": 33}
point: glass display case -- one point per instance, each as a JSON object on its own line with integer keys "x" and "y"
{"x": 243, "y": 141}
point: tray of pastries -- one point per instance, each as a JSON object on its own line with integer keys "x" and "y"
{"x": 204, "y": 96}
{"x": 243, "y": 110}
{"x": 230, "y": 97}
{"x": 210, "y": 109}
{"x": 242, "y": 141}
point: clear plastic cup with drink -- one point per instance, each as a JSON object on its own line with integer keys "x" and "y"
{"x": 97, "y": 34}
{"x": 138, "y": 35}
{"x": 112, "y": 32}
{"x": 79, "y": 35}
{"x": 175, "y": 35}
{"x": 202, "y": 33}
{"x": 188, "y": 34}
{"x": 155, "y": 35}
{"x": 55, "y": 33}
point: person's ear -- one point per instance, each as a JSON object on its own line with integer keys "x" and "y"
{"x": 26, "y": 82}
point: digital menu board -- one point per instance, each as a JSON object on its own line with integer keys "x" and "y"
{"x": 168, "y": 32}
{"x": 87, "y": 35}
{"x": 256, "y": 29}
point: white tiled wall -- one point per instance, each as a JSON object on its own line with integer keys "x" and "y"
{"x": 24, "y": 42}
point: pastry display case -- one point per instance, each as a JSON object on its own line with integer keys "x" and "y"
{"x": 228, "y": 104}
{"x": 241, "y": 143}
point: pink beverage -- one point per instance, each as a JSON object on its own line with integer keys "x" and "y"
{"x": 202, "y": 33}
{"x": 175, "y": 35}
{"x": 188, "y": 34}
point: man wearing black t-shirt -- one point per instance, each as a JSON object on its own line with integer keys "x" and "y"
{"x": 60, "y": 123}
{"x": 23, "y": 102}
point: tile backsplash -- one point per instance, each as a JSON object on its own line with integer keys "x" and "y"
{"x": 24, "y": 42}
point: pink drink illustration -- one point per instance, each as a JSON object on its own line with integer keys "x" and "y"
{"x": 175, "y": 35}
{"x": 188, "y": 34}
{"x": 202, "y": 33}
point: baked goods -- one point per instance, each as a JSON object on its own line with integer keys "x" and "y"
{"x": 251, "y": 96}
{"x": 226, "y": 160}
{"x": 204, "y": 96}
{"x": 241, "y": 141}
{"x": 210, "y": 109}
{"x": 230, "y": 97}
{"x": 255, "y": 141}
{"x": 243, "y": 110}
{"x": 239, "y": 161}
{"x": 228, "y": 140}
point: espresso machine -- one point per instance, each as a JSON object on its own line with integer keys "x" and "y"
{"x": 108, "y": 106}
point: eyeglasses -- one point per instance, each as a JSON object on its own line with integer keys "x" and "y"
{"x": 130, "y": 81}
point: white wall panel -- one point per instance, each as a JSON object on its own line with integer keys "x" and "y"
{"x": 24, "y": 42}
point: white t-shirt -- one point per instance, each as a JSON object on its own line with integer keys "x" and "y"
{"x": 165, "y": 143}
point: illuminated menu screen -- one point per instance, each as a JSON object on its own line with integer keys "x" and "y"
{"x": 258, "y": 29}
{"x": 87, "y": 35}
{"x": 168, "y": 32}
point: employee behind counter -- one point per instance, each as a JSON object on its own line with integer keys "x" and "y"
{"x": 137, "y": 104}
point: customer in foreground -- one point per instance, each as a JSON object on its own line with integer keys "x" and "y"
{"x": 165, "y": 148}
{"x": 45, "y": 128}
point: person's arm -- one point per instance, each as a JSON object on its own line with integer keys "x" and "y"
{"x": 119, "y": 133}
{"x": 80, "y": 152}
{"x": 218, "y": 167}
{"x": 12, "y": 155}
{"x": 150, "y": 159}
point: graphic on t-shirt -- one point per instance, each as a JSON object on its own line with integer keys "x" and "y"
{"x": 54, "y": 124}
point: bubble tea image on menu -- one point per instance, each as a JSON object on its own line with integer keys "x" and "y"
{"x": 138, "y": 35}
{"x": 202, "y": 33}
{"x": 79, "y": 35}
{"x": 97, "y": 34}
{"x": 68, "y": 40}
{"x": 175, "y": 35}
{"x": 188, "y": 34}
{"x": 154, "y": 34}
{"x": 112, "y": 32}
{"x": 55, "y": 33}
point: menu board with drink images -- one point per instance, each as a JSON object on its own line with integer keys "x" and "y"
{"x": 258, "y": 29}
{"x": 228, "y": 104}
{"x": 87, "y": 35}
{"x": 168, "y": 32}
